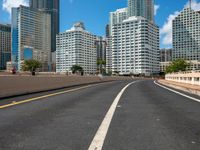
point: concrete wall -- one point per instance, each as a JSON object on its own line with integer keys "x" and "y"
{"x": 192, "y": 77}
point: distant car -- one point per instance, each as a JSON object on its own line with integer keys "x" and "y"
{"x": 14, "y": 71}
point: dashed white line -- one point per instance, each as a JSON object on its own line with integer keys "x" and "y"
{"x": 192, "y": 98}
{"x": 99, "y": 138}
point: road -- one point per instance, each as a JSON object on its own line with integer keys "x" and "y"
{"x": 146, "y": 117}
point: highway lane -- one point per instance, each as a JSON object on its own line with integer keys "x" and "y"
{"x": 63, "y": 122}
{"x": 153, "y": 118}
{"x": 147, "y": 117}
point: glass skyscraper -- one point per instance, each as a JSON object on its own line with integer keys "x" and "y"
{"x": 5, "y": 45}
{"x": 52, "y": 7}
{"x": 144, "y": 8}
{"x": 31, "y": 31}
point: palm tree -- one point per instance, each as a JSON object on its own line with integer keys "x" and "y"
{"x": 100, "y": 64}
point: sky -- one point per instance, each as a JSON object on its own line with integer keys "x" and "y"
{"x": 95, "y": 14}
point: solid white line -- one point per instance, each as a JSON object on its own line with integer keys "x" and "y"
{"x": 192, "y": 98}
{"x": 98, "y": 140}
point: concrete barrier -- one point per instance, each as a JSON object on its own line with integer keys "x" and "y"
{"x": 190, "y": 77}
{"x": 11, "y": 86}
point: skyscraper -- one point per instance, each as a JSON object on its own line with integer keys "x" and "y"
{"x": 134, "y": 40}
{"x": 135, "y": 47}
{"x": 144, "y": 8}
{"x": 5, "y": 45}
{"x": 76, "y": 46}
{"x": 186, "y": 35}
{"x": 52, "y": 7}
{"x": 100, "y": 44}
{"x": 30, "y": 36}
{"x": 117, "y": 17}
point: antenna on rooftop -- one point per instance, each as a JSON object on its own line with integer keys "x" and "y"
{"x": 190, "y": 3}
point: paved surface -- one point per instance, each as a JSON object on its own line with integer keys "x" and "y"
{"x": 147, "y": 117}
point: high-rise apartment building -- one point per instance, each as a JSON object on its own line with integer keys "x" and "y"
{"x": 109, "y": 55}
{"x": 144, "y": 8}
{"x": 117, "y": 17}
{"x": 76, "y": 47}
{"x": 31, "y": 36}
{"x": 135, "y": 47}
{"x": 52, "y": 7}
{"x": 186, "y": 35}
{"x": 134, "y": 39}
{"x": 5, "y": 45}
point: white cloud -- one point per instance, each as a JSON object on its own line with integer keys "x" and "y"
{"x": 166, "y": 30}
{"x": 195, "y": 5}
{"x": 156, "y": 7}
{"x": 8, "y": 4}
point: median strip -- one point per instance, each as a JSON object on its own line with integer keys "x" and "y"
{"x": 45, "y": 96}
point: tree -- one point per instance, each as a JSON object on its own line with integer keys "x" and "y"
{"x": 31, "y": 65}
{"x": 177, "y": 65}
{"x": 77, "y": 68}
{"x": 100, "y": 64}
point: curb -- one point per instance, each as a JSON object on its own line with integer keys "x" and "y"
{"x": 188, "y": 90}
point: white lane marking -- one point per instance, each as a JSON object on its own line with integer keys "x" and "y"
{"x": 192, "y": 98}
{"x": 98, "y": 140}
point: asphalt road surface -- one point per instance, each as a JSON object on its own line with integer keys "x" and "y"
{"x": 121, "y": 115}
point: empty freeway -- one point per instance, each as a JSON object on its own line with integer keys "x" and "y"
{"x": 119, "y": 115}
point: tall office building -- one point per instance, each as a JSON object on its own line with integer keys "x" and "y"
{"x": 76, "y": 46}
{"x": 109, "y": 54}
{"x": 144, "y": 8}
{"x": 165, "y": 55}
{"x": 31, "y": 30}
{"x": 186, "y": 35}
{"x": 117, "y": 17}
{"x": 135, "y": 47}
{"x": 101, "y": 44}
{"x": 165, "y": 59}
{"x": 5, "y": 45}
{"x": 135, "y": 39}
{"x": 107, "y": 30}
{"x": 52, "y": 7}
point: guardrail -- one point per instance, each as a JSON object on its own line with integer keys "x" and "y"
{"x": 189, "y": 77}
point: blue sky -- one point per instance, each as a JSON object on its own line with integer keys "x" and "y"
{"x": 95, "y": 14}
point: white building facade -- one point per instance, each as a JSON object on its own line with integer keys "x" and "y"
{"x": 117, "y": 17}
{"x": 134, "y": 40}
{"x": 76, "y": 47}
{"x": 186, "y": 35}
{"x": 135, "y": 47}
